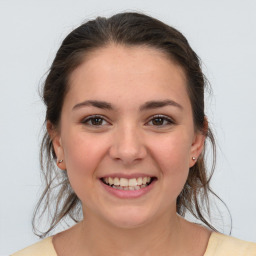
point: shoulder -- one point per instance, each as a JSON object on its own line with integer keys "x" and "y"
{"x": 42, "y": 248}
{"x": 222, "y": 245}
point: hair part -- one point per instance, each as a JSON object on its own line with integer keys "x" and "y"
{"x": 127, "y": 29}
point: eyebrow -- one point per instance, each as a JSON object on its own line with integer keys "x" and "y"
{"x": 94, "y": 103}
{"x": 159, "y": 104}
{"x": 146, "y": 106}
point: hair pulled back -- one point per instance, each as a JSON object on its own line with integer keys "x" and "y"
{"x": 128, "y": 29}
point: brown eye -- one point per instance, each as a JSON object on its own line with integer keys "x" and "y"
{"x": 160, "y": 120}
{"x": 95, "y": 121}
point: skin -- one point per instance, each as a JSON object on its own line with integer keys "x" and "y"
{"x": 127, "y": 140}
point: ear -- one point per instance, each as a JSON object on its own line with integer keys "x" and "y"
{"x": 198, "y": 144}
{"x": 57, "y": 145}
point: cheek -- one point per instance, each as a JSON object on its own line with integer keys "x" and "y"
{"x": 82, "y": 150}
{"x": 172, "y": 154}
{"x": 173, "y": 151}
{"x": 82, "y": 156}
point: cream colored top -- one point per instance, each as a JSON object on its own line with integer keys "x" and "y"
{"x": 218, "y": 245}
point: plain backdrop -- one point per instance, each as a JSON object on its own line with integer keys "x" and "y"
{"x": 222, "y": 32}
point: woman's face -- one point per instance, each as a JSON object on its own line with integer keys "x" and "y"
{"x": 127, "y": 120}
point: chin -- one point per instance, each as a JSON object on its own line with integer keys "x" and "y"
{"x": 130, "y": 218}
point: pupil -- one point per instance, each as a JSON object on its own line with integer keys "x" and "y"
{"x": 96, "y": 121}
{"x": 158, "y": 121}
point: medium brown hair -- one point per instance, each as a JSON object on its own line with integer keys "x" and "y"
{"x": 128, "y": 29}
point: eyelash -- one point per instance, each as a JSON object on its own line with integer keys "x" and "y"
{"x": 93, "y": 117}
{"x": 164, "y": 118}
{"x": 88, "y": 120}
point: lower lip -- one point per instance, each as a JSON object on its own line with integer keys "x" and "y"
{"x": 128, "y": 193}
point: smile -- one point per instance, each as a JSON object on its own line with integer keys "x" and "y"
{"x": 127, "y": 184}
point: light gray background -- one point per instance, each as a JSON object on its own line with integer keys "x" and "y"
{"x": 223, "y": 33}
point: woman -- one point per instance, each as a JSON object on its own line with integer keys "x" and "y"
{"x": 127, "y": 129}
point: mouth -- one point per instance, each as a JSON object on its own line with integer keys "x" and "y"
{"x": 128, "y": 184}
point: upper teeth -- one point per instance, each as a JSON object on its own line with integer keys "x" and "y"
{"x": 127, "y": 182}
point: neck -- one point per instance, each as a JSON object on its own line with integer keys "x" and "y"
{"x": 169, "y": 234}
{"x": 156, "y": 238}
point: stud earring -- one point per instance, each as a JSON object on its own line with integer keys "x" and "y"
{"x": 60, "y": 161}
{"x": 193, "y": 158}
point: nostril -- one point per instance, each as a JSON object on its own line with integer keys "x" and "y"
{"x": 127, "y": 148}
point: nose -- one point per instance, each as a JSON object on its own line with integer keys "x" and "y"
{"x": 127, "y": 145}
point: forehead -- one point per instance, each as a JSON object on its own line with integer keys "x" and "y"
{"x": 117, "y": 71}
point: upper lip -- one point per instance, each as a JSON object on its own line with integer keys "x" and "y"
{"x": 127, "y": 176}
